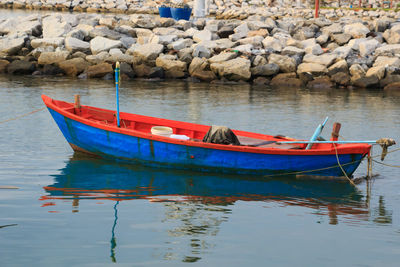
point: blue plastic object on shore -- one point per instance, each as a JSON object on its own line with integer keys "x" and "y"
{"x": 181, "y": 13}
{"x": 165, "y": 12}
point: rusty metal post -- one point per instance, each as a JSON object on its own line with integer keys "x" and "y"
{"x": 316, "y": 9}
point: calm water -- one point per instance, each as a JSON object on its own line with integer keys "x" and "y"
{"x": 73, "y": 210}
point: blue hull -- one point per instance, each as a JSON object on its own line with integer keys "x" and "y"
{"x": 126, "y": 148}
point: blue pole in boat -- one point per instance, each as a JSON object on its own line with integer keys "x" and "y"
{"x": 317, "y": 133}
{"x": 117, "y": 80}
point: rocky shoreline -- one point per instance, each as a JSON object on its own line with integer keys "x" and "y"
{"x": 276, "y": 46}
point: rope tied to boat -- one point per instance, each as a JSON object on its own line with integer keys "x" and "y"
{"x": 23, "y": 115}
{"x": 385, "y": 143}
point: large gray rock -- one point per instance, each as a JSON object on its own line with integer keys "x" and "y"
{"x": 293, "y": 51}
{"x": 387, "y": 61}
{"x": 285, "y": 63}
{"x": 17, "y": 26}
{"x": 355, "y": 43}
{"x": 265, "y": 70}
{"x": 222, "y": 57}
{"x": 325, "y": 59}
{"x": 11, "y": 46}
{"x": 272, "y": 44}
{"x": 180, "y": 44}
{"x": 55, "y": 26}
{"x": 368, "y": 47}
{"x": 377, "y": 72}
{"x": 54, "y": 42}
{"x": 240, "y": 32}
{"x": 340, "y": 66}
{"x": 74, "y": 45}
{"x": 341, "y": 38}
{"x": 21, "y": 67}
{"x": 99, "y": 44}
{"x": 173, "y": 68}
{"x": 148, "y": 52}
{"x": 201, "y": 51}
{"x": 312, "y": 68}
{"x": 356, "y": 30}
{"x": 73, "y": 67}
{"x": 342, "y": 52}
{"x": 204, "y": 35}
{"x": 105, "y": 32}
{"x": 99, "y": 58}
{"x": 388, "y": 50}
{"x": 46, "y": 58}
{"x": 234, "y": 69}
{"x": 314, "y": 50}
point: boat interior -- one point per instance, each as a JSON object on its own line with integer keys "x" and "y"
{"x": 195, "y": 132}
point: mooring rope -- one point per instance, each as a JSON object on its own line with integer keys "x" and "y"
{"x": 23, "y": 115}
{"x": 345, "y": 174}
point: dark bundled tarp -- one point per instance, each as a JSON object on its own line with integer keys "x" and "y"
{"x": 221, "y": 135}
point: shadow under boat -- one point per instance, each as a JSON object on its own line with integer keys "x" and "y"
{"x": 90, "y": 178}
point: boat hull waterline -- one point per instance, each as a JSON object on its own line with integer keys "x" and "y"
{"x": 123, "y": 144}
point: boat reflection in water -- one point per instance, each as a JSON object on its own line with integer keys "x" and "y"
{"x": 199, "y": 202}
{"x": 89, "y": 178}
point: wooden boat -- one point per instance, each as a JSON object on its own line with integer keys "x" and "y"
{"x": 94, "y": 130}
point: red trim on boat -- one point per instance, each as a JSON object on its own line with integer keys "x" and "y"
{"x": 327, "y": 150}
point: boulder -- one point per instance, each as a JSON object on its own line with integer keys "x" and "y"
{"x": 234, "y": 69}
{"x": 11, "y": 46}
{"x": 340, "y": 66}
{"x": 54, "y": 42}
{"x": 15, "y": 25}
{"x": 312, "y": 68}
{"x": 314, "y": 49}
{"x": 260, "y": 32}
{"x": 387, "y": 61}
{"x": 355, "y": 43}
{"x": 342, "y": 52}
{"x": 357, "y": 71}
{"x": 368, "y": 47}
{"x": 99, "y": 44}
{"x": 356, "y": 30}
{"x": 173, "y": 68}
{"x": 21, "y": 67}
{"x": 341, "y": 38}
{"x": 204, "y": 75}
{"x": 364, "y": 81}
{"x": 225, "y": 31}
{"x": 47, "y": 58}
{"x": 322, "y": 39}
{"x": 341, "y": 78}
{"x": 272, "y": 44}
{"x": 51, "y": 70}
{"x": 127, "y": 70}
{"x": 222, "y": 57}
{"x": 74, "y": 45}
{"x": 201, "y": 51}
{"x": 73, "y": 67}
{"x": 240, "y": 32}
{"x": 325, "y": 59}
{"x": 293, "y": 51}
{"x": 103, "y": 31}
{"x": 378, "y": 72}
{"x": 197, "y": 64}
{"x": 389, "y": 78}
{"x": 388, "y": 50}
{"x": 285, "y": 63}
{"x": 200, "y": 36}
{"x": 3, "y": 65}
{"x": 55, "y": 26}
{"x": 180, "y": 44}
{"x": 99, "y": 70}
{"x": 265, "y": 70}
{"x": 99, "y": 58}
